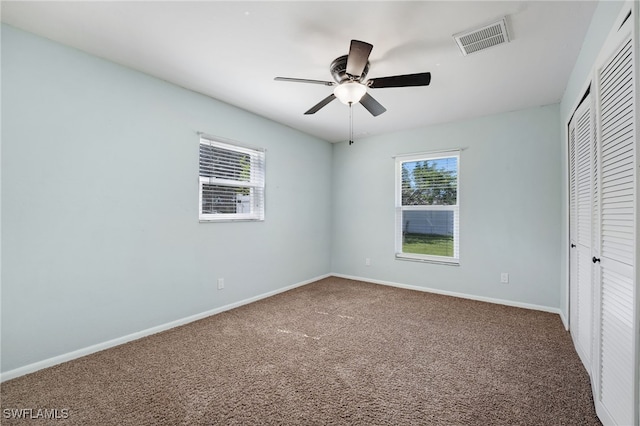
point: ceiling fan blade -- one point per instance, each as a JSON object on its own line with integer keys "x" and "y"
{"x": 372, "y": 105}
{"x": 304, "y": 80}
{"x": 321, "y": 104}
{"x": 420, "y": 79}
{"x": 358, "y": 57}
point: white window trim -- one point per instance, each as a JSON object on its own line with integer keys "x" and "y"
{"x": 399, "y": 255}
{"x": 256, "y": 182}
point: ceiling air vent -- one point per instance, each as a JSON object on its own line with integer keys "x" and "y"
{"x": 482, "y": 38}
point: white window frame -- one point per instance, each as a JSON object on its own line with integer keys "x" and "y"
{"x": 256, "y": 182}
{"x": 400, "y": 159}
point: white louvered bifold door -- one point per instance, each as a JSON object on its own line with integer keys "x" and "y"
{"x": 584, "y": 178}
{"x": 581, "y": 177}
{"x": 573, "y": 236}
{"x": 615, "y": 255}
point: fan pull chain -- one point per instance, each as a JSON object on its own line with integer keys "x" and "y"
{"x": 350, "y": 123}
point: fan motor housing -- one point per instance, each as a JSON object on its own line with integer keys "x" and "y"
{"x": 338, "y": 70}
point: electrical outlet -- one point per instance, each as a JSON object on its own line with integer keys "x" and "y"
{"x": 504, "y": 277}
{"x": 220, "y": 283}
{"x": 367, "y": 261}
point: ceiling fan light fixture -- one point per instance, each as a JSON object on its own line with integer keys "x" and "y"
{"x": 349, "y": 72}
{"x": 350, "y": 92}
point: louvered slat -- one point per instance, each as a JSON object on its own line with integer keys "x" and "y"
{"x": 572, "y": 181}
{"x": 584, "y": 295}
{"x": 583, "y": 184}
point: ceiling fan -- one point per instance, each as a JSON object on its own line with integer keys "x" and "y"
{"x": 349, "y": 72}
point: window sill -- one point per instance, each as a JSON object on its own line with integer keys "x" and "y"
{"x": 423, "y": 259}
{"x": 208, "y": 220}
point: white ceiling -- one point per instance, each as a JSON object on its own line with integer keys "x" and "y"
{"x": 231, "y": 51}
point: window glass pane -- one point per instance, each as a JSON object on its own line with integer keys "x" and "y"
{"x": 430, "y": 182}
{"x": 428, "y": 232}
{"x": 217, "y": 199}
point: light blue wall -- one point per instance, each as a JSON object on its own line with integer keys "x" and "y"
{"x": 601, "y": 24}
{"x": 100, "y": 231}
{"x": 509, "y": 203}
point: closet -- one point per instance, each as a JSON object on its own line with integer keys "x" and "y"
{"x": 603, "y": 206}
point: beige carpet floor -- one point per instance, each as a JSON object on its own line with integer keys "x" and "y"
{"x": 332, "y": 352}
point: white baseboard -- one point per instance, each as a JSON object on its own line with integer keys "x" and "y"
{"x": 456, "y": 294}
{"x": 49, "y": 362}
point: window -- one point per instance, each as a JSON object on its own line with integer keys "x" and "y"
{"x": 231, "y": 182}
{"x": 427, "y": 212}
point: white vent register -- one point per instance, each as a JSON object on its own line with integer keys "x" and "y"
{"x": 478, "y": 39}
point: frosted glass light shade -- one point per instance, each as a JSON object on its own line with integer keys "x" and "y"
{"x": 350, "y": 92}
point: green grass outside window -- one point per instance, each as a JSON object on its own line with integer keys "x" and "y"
{"x": 429, "y": 244}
